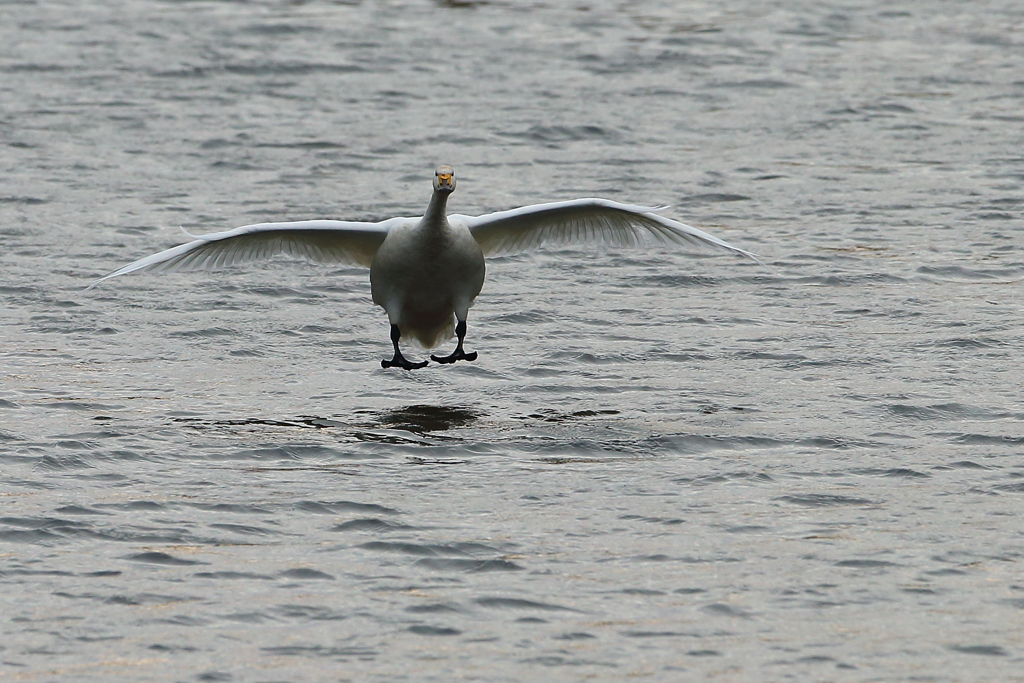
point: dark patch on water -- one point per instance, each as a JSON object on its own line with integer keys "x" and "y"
{"x": 424, "y": 630}
{"x": 549, "y": 415}
{"x": 421, "y": 419}
{"x": 713, "y": 198}
{"x": 370, "y": 524}
{"x": 342, "y": 506}
{"x": 896, "y": 472}
{"x": 437, "y": 607}
{"x": 719, "y": 609}
{"x": 77, "y": 510}
{"x": 467, "y": 566}
{"x": 341, "y": 654}
{"x": 575, "y": 635}
{"x": 823, "y": 500}
{"x": 245, "y": 530}
{"x": 865, "y": 564}
{"x": 520, "y": 604}
{"x": 430, "y": 549}
{"x": 659, "y": 634}
{"x": 164, "y": 559}
{"x": 230, "y": 575}
{"x": 305, "y": 573}
{"x": 985, "y": 650}
{"x": 555, "y": 136}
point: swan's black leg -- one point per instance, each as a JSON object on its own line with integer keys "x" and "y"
{"x": 399, "y": 360}
{"x": 458, "y": 353}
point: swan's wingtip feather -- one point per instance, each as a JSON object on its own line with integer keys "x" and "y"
{"x": 755, "y": 259}
{"x": 96, "y": 283}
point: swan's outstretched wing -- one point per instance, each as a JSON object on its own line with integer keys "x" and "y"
{"x": 582, "y": 220}
{"x": 322, "y": 241}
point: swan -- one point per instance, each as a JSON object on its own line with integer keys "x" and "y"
{"x": 425, "y": 272}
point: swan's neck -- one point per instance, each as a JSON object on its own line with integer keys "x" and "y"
{"x": 436, "y": 210}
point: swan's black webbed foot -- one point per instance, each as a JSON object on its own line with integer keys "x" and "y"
{"x": 399, "y": 361}
{"x": 459, "y": 353}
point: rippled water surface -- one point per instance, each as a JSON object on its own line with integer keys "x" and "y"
{"x": 665, "y": 465}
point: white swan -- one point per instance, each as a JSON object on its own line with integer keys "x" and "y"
{"x": 426, "y": 272}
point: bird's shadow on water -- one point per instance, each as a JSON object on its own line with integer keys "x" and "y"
{"x": 427, "y": 434}
{"x": 414, "y": 426}
{"x": 419, "y": 419}
{"x": 422, "y": 419}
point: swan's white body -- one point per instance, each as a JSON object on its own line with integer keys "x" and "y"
{"x": 427, "y": 271}
{"x": 426, "y": 275}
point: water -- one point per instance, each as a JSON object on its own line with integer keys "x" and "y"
{"x": 666, "y": 464}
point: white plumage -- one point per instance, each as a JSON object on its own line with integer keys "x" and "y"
{"x": 427, "y": 271}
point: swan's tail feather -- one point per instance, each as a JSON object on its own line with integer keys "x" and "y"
{"x": 430, "y": 337}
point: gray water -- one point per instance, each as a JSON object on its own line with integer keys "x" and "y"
{"x": 666, "y": 465}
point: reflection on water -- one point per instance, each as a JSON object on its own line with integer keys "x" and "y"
{"x": 421, "y": 419}
{"x": 417, "y": 419}
{"x": 549, "y": 415}
{"x": 303, "y": 421}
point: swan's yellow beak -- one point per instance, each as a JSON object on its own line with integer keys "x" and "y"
{"x": 444, "y": 179}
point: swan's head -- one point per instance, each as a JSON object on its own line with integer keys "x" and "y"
{"x": 444, "y": 179}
